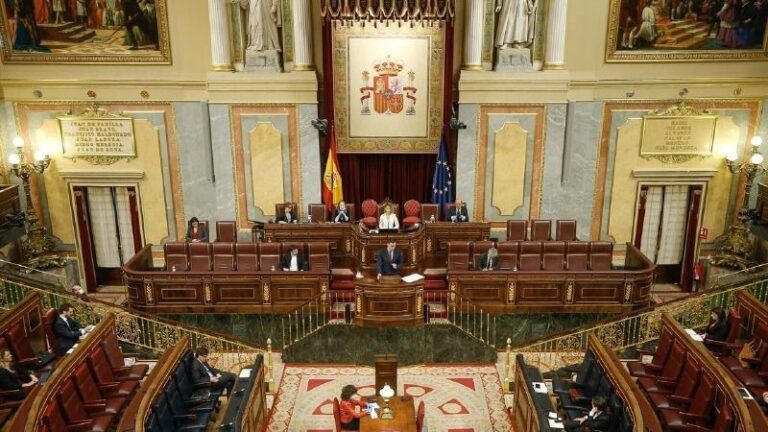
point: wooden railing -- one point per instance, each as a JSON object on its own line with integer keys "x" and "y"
{"x": 29, "y": 415}
{"x": 135, "y": 415}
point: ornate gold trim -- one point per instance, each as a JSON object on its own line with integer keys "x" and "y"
{"x": 149, "y": 292}
{"x": 377, "y": 10}
{"x": 208, "y": 295}
{"x": 754, "y": 106}
{"x": 288, "y": 36}
{"x": 358, "y": 304}
{"x": 421, "y": 144}
{"x": 539, "y": 111}
{"x": 303, "y": 67}
{"x": 472, "y": 67}
{"x": 569, "y": 291}
{"x": 265, "y": 292}
{"x": 236, "y": 112}
{"x": 511, "y": 291}
{"x": 627, "y": 291}
{"x": 614, "y": 55}
{"x": 160, "y": 56}
{"x": 222, "y": 68}
{"x": 419, "y": 302}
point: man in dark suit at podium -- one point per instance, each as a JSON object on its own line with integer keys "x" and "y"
{"x": 389, "y": 261}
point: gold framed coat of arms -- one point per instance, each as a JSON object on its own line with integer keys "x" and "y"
{"x": 388, "y": 93}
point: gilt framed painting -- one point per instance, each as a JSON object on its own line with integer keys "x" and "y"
{"x": 686, "y": 30}
{"x": 84, "y": 31}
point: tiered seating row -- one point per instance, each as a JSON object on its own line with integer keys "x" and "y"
{"x": 689, "y": 388}
{"x": 225, "y": 277}
{"x": 534, "y": 255}
{"x": 601, "y": 374}
{"x": 88, "y": 389}
{"x": 240, "y": 257}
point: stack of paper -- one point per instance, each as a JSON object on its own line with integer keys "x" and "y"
{"x": 695, "y": 336}
{"x": 245, "y": 373}
{"x": 412, "y": 278}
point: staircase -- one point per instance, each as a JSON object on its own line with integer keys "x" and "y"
{"x": 68, "y": 32}
{"x": 683, "y": 34}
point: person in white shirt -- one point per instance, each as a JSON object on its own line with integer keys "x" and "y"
{"x": 294, "y": 260}
{"x": 388, "y": 220}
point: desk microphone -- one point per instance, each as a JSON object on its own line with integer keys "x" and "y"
{"x": 227, "y": 425}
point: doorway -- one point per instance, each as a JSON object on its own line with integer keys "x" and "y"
{"x": 667, "y": 225}
{"x": 109, "y": 231}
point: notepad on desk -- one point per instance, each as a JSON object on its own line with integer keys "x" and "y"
{"x": 554, "y": 424}
{"x": 695, "y": 336}
{"x": 245, "y": 373}
{"x": 412, "y": 278}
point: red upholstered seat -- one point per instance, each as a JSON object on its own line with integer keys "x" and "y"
{"x": 319, "y": 256}
{"x": 684, "y": 388}
{"x": 576, "y": 262}
{"x": 226, "y": 231}
{"x": 116, "y": 359}
{"x": 200, "y": 257}
{"x": 665, "y": 382}
{"x": 565, "y": 230}
{"x": 577, "y": 247}
{"x": 517, "y": 230}
{"x": 18, "y": 342}
{"x": 86, "y": 383}
{"x": 370, "y": 211}
{"x": 541, "y": 230}
{"x": 458, "y": 255}
{"x": 75, "y": 413}
{"x": 89, "y": 391}
{"x": 428, "y": 210}
{"x": 758, "y": 341}
{"x": 319, "y": 212}
{"x": 269, "y": 256}
{"x": 176, "y": 256}
{"x": 337, "y": 414}
{"x": 508, "y": 254}
{"x": 106, "y": 378}
{"x": 698, "y": 411}
{"x": 652, "y": 369}
{"x": 600, "y": 255}
{"x": 530, "y": 247}
{"x": 223, "y": 256}
{"x": 529, "y": 262}
{"x": 247, "y": 257}
{"x": 280, "y": 208}
{"x": 412, "y": 213}
{"x": 553, "y": 262}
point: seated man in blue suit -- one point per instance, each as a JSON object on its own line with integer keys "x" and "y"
{"x": 389, "y": 261}
{"x": 67, "y": 330}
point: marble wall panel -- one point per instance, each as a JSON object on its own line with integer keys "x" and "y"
{"x": 309, "y": 144}
{"x": 466, "y": 155}
{"x": 223, "y": 162}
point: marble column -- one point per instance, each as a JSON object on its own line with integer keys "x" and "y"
{"x": 554, "y": 51}
{"x": 302, "y": 36}
{"x": 473, "y": 36}
{"x": 218, "y": 19}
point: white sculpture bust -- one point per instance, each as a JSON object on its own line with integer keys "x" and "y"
{"x": 516, "y": 24}
{"x": 264, "y": 18}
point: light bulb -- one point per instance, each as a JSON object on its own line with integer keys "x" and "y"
{"x": 18, "y": 142}
{"x": 756, "y": 141}
{"x": 14, "y": 159}
{"x": 731, "y": 155}
{"x": 756, "y": 159}
{"x": 40, "y": 155}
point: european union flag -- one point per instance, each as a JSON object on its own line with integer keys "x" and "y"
{"x": 442, "y": 184}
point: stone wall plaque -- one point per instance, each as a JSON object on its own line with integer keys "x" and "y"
{"x": 97, "y": 136}
{"x": 677, "y": 138}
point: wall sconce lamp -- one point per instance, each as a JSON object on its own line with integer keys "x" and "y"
{"x": 735, "y": 249}
{"x": 37, "y": 247}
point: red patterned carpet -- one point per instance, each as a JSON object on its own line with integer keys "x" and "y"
{"x": 458, "y": 398}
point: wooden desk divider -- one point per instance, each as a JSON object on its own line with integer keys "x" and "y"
{"x": 29, "y": 312}
{"x": 386, "y": 371}
{"x": 254, "y": 417}
{"x": 635, "y": 402}
{"x": 30, "y": 414}
{"x": 748, "y": 416}
{"x": 135, "y": 415}
{"x": 751, "y": 311}
{"x": 525, "y": 411}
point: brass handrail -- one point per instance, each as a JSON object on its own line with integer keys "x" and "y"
{"x": 151, "y": 333}
{"x": 630, "y": 331}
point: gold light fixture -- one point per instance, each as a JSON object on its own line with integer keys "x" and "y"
{"x": 735, "y": 249}
{"x": 386, "y": 393}
{"x": 37, "y": 247}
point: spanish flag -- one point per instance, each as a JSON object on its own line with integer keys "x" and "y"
{"x": 332, "y": 191}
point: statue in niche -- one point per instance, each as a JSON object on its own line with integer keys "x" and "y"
{"x": 517, "y": 23}
{"x": 515, "y": 31}
{"x": 263, "y": 39}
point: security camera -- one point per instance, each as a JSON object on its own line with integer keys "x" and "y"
{"x": 321, "y": 125}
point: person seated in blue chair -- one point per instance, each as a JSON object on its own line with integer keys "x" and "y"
{"x": 598, "y": 419}
{"x": 389, "y": 261}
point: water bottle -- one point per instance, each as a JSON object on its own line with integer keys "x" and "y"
{"x": 273, "y": 268}
{"x": 173, "y": 268}
{"x": 432, "y": 219}
{"x": 309, "y": 218}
